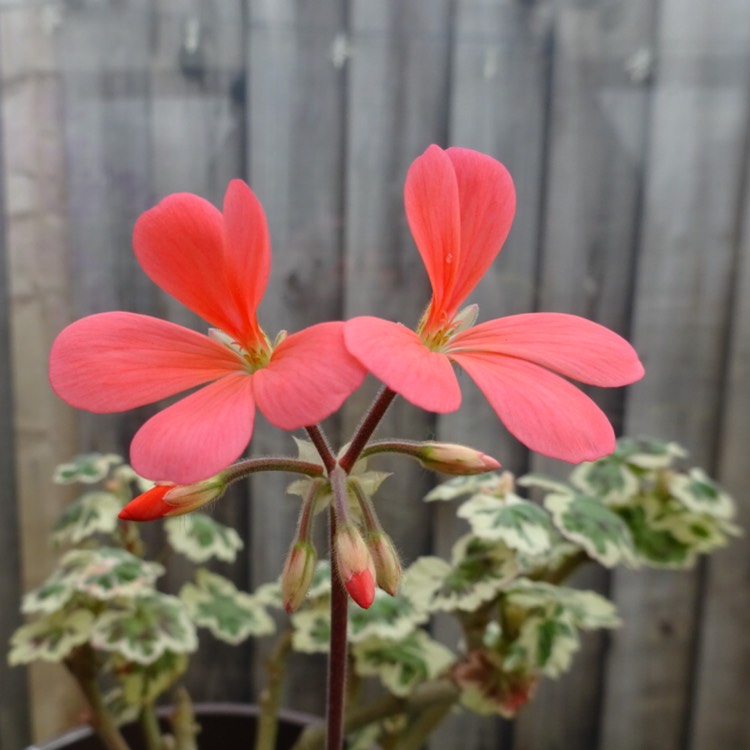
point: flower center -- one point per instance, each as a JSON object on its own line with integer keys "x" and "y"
{"x": 254, "y": 359}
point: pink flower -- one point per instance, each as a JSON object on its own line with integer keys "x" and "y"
{"x": 460, "y": 206}
{"x": 217, "y": 264}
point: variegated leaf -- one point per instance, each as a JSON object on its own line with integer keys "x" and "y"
{"x": 649, "y": 453}
{"x": 50, "y": 637}
{"x": 87, "y": 469}
{"x": 401, "y": 665}
{"x": 600, "y": 531}
{"x": 609, "y": 480}
{"x": 492, "y": 483}
{"x": 391, "y": 617}
{"x": 312, "y": 630}
{"x": 52, "y": 595}
{"x": 700, "y": 494}
{"x": 522, "y": 525}
{"x": 231, "y": 615}
{"x": 146, "y": 629}
{"x": 199, "y": 538}
{"x": 546, "y": 643}
{"x": 656, "y": 546}
{"x": 92, "y": 513}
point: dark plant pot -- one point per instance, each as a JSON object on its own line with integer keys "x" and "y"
{"x": 229, "y": 726}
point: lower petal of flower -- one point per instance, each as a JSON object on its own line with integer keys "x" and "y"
{"x": 397, "y": 356}
{"x": 199, "y": 435}
{"x": 310, "y": 375}
{"x": 544, "y": 411}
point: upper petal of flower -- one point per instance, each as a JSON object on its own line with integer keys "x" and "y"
{"x": 180, "y": 245}
{"x": 573, "y": 346}
{"x": 432, "y": 209}
{"x": 398, "y": 357}
{"x": 119, "y": 360}
{"x": 199, "y": 435}
{"x": 487, "y": 200}
{"x": 460, "y": 206}
{"x": 247, "y": 250}
{"x": 311, "y": 373}
{"x": 544, "y": 411}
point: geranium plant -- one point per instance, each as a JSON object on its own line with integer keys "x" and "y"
{"x": 127, "y": 643}
{"x": 459, "y": 206}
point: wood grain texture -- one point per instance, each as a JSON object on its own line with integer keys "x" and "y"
{"x": 686, "y": 274}
{"x": 596, "y": 143}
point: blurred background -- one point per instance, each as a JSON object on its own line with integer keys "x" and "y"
{"x": 626, "y": 126}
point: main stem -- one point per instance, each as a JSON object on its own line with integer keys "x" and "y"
{"x": 337, "y": 654}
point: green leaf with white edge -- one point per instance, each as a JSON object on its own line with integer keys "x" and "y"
{"x": 401, "y": 665}
{"x": 125, "y": 474}
{"x": 587, "y": 609}
{"x": 146, "y": 629}
{"x": 312, "y": 630}
{"x": 214, "y": 602}
{"x": 609, "y": 480}
{"x": 199, "y": 538}
{"x": 142, "y": 684}
{"x": 522, "y": 525}
{"x": 269, "y": 594}
{"x": 545, "y": 643}
{"x": 109, "y": 572}
{"x": 649, "y": 453}
{"x": 700, "y": 532}
{"x": 87, "y": 469}
{"x": 602, "y": 533}
{"x": 391, "y": 617}
{"x": 51, "y": 596}
{"x": 699, "y": 493}
{"x": 50, "y": 637}
{"x": 656, "y": 546}
{"x": 479, "y": 571}
{"x": 320, "y": 586}
{"x": 422, "y": 579}
{"x": 539, "y": 481}
{"x": 491, "y": 483}
{"x": 92, "y": 513}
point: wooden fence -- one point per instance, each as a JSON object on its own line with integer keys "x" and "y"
{"x": 626, "y": 125}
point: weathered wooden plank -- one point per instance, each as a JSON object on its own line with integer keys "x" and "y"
{"x": 685, "y": 277}
{"x": 295, "y": 143}
{"x": 596, "y": 145}
{"x": 197, "y": 141}
{"x": 14, "y": 709}
{"x": 722, "y": 679}
{"x": 397, "y": 83}
{"x": 36, "y": 245}
{"x": 498, "y": 106}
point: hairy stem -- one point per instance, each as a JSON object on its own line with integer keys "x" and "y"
{"x": 184, "y": 725}
{"x": 320, "y": 441}
{"x": 150, "y": 728}
{"x": 270, "y": 698}
{"x": 366, "y": 427}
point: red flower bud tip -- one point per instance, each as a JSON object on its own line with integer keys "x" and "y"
{"x": 168, "y": 499}
{"x": 451, "y": 458}
{"x": 361, "y": 588}
{"x": 299, "y": 569}
{"x": 149, "y": 506}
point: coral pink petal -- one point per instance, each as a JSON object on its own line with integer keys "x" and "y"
{"x": 247, "y": 249}
{"x": 118, "y": 360}
{"x": 545, "y": 412}
{"x": 487, "y": 201}
{"x": 361, "y": 588}
{"x": 432, "y": 210}
{"x": 180, "y": 245}
{"x": 199, "y": 435}
{"x": 398, "y": 357}
{"x": 311, "y": 373}
{"x": 573, "y": 346}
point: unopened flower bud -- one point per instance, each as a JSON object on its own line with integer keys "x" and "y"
{"x": 385, "y": 559}
{"x": 298, "y": 573}
{"x": 355, "y": 565}
{"x": 168, "y": 499}
{"x": 451, "y": 458}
